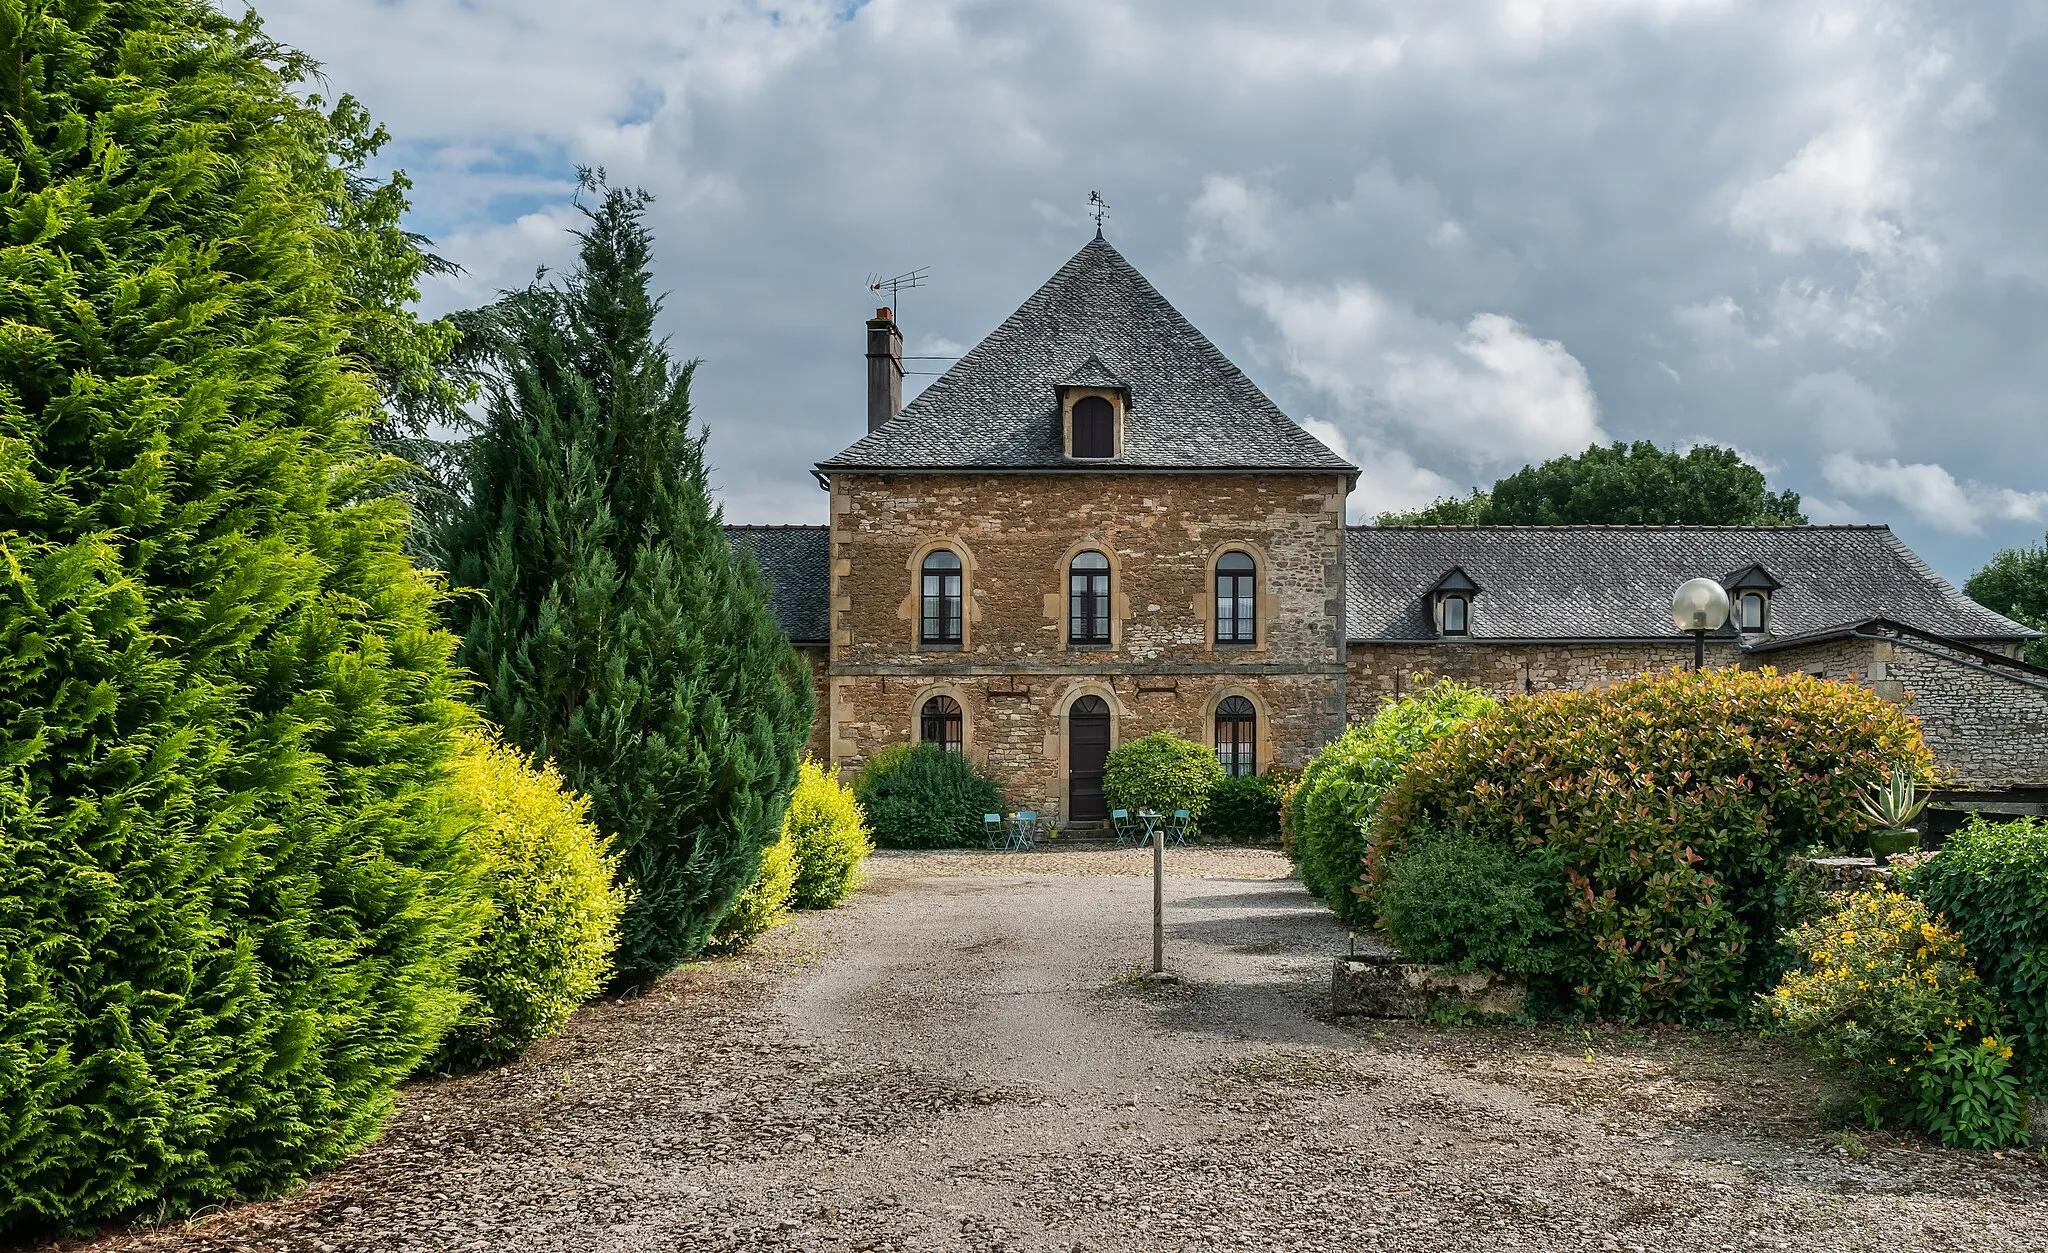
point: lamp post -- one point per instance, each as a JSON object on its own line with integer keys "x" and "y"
{"x": 1699, "y": 606}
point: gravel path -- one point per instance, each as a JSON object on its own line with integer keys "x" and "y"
{"x": 961, "y": 1059}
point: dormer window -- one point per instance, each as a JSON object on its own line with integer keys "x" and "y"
{"x": 1093, "y": 400}
{"x": 1749, "y": 599}
{"x": 1094, "y": 427}
{"x": 1749, "y": 612}
{"x": 1451, "y": 602}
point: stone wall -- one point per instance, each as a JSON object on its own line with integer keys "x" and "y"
{"x": 1014, "y": 674}
{"x": 1985, "y": 722}
{"x": 1379, "y": 671}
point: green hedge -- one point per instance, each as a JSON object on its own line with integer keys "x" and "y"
{"x": 1244, "y": 808}
{"x": 828, "y": 835}
{"x": 1456, "y": 900}
{"x": 1990, "y": 880}
{"x": 1161, "y": 772}
{"x": 1332, "y": 809}
{"x": 921, "y": 796}
{"x": 1670, "y": 806}
{"x": 549, "y": 879}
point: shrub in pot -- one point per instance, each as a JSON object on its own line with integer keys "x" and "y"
{"x": 921, "y": 796}
{"x": 1161, "y": 772}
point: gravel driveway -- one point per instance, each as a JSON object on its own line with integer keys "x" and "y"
{"x": 961, "y": 1059}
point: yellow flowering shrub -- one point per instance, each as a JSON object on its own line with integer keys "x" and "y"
{"x": 1888, "y": 994}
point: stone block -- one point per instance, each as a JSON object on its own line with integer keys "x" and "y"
{"x": 1848, "y": 874}
{"x": 1382, "y": 985}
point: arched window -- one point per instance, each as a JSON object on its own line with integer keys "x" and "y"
{"x": 1751, "y": 616}
{"x": 1454, "y": 615}
{"x": 1088, "y": 599}
{"x": 1237, "y": 600}
{"x": 1237, "y": 736}
{"x": 1094, "y": 428}
{"x": 940, "y": 723}
{"x": 939, "y": 598}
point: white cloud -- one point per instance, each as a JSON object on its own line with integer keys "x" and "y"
{"x": 1388, "y": 478}
{"x": 1846, "y": 414}
{"x": 1230, "y": 218}
{"x": 1842, "y": 190}
{"x": 1488, "y": 393}
{"x": 1932, "y": 494}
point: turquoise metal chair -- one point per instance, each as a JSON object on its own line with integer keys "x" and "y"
{"x": 1023, "y": 829}
{"x": 1128, "y": 829}
{"x": 998, "y": 834}
{"x": 1177, "y": 827}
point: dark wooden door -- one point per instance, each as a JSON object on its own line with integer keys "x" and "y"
{"x": 1087, "y": 748}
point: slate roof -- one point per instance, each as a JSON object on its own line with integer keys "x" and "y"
{"x": 997, "y": 408}
{"x": 1615, "y": 582}
{"x": 796, "y": 563}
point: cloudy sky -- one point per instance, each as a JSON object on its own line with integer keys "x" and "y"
{"x": 1450, "y": 236}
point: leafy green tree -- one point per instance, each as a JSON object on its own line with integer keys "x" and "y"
{"x": 615, "y": 632}
{"x": 1643, "y": 484}
{"x": 2015, "y": 583}
{"x": 229, "y": 913}
{"x": 1473, "y": 510}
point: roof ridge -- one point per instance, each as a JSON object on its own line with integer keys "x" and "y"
{"x": 777, "y": 526}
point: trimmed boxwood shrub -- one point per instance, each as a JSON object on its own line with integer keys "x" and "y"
{"x": 921, "y": 796}
{"x": 1339, "y": 788}
{"x": 1990, "y": 880}
{"x": 547, "y": 875}
{"x": 1161, "y": 772}
{"x": 828, "y": 838}
{"x": 762, "y": 905}
{"x": 1671, "y": 804}
{"x": 1471, "y": 904}
{"x": 1244, "y": 808}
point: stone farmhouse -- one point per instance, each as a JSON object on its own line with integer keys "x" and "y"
{"x": 1095, "y": 526}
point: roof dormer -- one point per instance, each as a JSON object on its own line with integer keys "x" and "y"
{"x": 1450, "y": 603}
{"x": 1093, "y": 401}
{"x": 1749, "y": 599}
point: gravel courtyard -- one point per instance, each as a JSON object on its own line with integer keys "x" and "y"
{"x": 961, "y": 1059}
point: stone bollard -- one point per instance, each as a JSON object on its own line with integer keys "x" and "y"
{"x": 1381, "y": 985}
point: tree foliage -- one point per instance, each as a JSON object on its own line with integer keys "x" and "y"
{"x": 1622, "y": 484}
{"x": 615, "y": 632}
{"x": 230, "y": 912}
{"x": 1163, "y": 773}
{"x": 2015, "y": 583}
{"x": 921, "y": 796}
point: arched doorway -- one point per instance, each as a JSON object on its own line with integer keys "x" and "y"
{"x": 1087, "y": 749}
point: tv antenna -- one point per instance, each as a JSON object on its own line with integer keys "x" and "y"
{"x": 1098, "y": 208}
{"x": 896, "y": 286}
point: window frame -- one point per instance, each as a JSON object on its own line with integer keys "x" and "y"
{"x": 1107, "y": 429}
{"x": 929, "y": 574}
{"x": 1093, "y": 603}
{"x": 1238, "y": 752}
{"x": 1763, "y": 612}
{"x": 1242, "y": 625}
{"x": 945, "y": 713}
{"x": 1464, "y": 626}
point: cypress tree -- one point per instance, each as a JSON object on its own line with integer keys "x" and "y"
{"x": 229, "y": 915}
{"x": 614, "y": 630}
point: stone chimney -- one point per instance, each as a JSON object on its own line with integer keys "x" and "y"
{"x": 885, "y": 368}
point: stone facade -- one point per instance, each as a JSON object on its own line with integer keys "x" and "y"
{"x": 1014, "y": 673}
{"x": 1377, "y": 672}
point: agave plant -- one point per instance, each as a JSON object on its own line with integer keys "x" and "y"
{"x": 1892, "y": 806}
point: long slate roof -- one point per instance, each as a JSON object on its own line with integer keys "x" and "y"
{"x": 796, "y": 564}
{"x": 1615, "y": 582}
{"x": 997, "y": 408}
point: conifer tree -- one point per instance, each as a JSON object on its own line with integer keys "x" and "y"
{"x": 614, "y": 631}
{"x": 229, "y": 915}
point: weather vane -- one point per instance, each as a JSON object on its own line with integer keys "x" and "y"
{"x": 1099, "y": 208}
